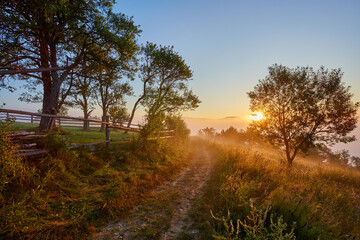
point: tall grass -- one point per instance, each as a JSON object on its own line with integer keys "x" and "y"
{"x": 71, "y": 194}
{"x": 320, "y": 201}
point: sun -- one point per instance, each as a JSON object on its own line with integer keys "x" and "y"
{"x": 257, "y": 116}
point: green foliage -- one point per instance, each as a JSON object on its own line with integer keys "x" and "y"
{"x": 164, "y": 126}
{"x": 302, "y": 107}
{"x": 165, "y": 76}
{"x": 83, "y": 92}
{"x": 109, "y": 89}
{"x": 118, "y": 114}
{"x": 44, "y": 33}
{"x": 55, "y": 142}
{"x": 167, "y": 90}
{"x": 177, "y": 127}
{"x": 153, "y": 128}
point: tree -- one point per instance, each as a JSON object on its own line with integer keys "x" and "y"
{"x": 165, "y": 76}
{"x": 230, "y": 133}
{"x": 207, "y": 132}
{"x": 109, "y": 91}
{"x": 177, "y": 127}
{"x": 301, "y": 107}
{"x": 355, "y": 161}
{"x": 44, "y": 40}
{"x": 118, "y": 114}
{"x": 83, "y": 93}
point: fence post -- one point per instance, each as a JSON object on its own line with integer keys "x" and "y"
{"x": 32, "y": 118}
{"x": 7, "y": 116}
{"x": 59, "y": 122}
{"x": 107, "y": 131}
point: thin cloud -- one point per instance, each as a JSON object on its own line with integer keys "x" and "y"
{"x": 230, "y": 117}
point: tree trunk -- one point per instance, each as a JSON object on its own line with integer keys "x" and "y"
{"x": 289, "y": 162}
{"x": 137, "y": 103}
{"x": 288, "y": 155}
{"x": 103, "y": 118}
{"x": 51, "y": 87}
{"x": 50, "y": 103}
{"x": 86, "y": 125}
{"x": 133, "y": 113}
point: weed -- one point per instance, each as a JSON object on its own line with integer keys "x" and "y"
{"x": 256, "y": 227}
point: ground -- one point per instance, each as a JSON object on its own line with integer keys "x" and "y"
{"x": 165, "y": 214}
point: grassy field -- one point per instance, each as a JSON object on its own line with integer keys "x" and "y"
{"x": 71, "y": 194}
{"x": 253, "y": 196}
{"x": 77, "y": 134}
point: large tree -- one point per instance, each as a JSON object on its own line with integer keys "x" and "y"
{"x": 165, "y": 75}
{"x": 44, "y": 40}
{"x": 301, "y": 107}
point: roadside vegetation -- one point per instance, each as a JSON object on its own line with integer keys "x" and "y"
{"x": 253, "y": 195}
{"x": 71, "y": 194}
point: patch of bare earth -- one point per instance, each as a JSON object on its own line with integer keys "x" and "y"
{"x": 165, "y": 214}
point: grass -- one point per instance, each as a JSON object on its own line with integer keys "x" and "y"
{"x": 251, "y": 195}
{"x": 72, "y": 194}
{"x": 77, "y": 134}
{"x": 25, "y": 126}
{"x": 320, "y": 201}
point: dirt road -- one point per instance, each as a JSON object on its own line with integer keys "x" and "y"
{"x": 165, "y": 214}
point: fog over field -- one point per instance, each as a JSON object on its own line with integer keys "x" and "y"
{"x": 195, "y": 124}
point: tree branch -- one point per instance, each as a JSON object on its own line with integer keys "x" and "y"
{"x": 25, "y": 71}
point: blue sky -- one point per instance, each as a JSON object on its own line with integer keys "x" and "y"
{"x": 230, "y": 44}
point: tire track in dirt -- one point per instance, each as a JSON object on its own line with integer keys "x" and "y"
{"x": 165, "y": 214}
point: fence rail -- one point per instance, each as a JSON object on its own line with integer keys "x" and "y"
{"x": 31, "y": 117}
{"x": 67, "y": 121}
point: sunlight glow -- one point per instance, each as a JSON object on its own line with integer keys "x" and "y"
{"x": 257, "y": 116}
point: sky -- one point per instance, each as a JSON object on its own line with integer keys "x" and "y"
{"x": 230, "y": 44}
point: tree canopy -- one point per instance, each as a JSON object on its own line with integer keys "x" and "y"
{"x": 301, "y": 107}
{"x": 44, "y": 40}
{"x": 165, "y": 75}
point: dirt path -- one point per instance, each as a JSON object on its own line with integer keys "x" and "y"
{"x": 165, "y": 215}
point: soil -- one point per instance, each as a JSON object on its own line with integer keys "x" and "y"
{"x": 165, "y": 214}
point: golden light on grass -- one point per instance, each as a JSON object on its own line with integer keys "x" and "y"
{"x": 257, "y": 116}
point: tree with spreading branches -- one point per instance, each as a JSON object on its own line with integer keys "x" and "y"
{"x": 43, "y": 41}
{"x": 109, "y": 91}
{"x": 165, "y": 75}
{"x": 302, "y": 107}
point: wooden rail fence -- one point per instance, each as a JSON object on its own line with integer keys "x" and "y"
{"x": 30, "y": 117}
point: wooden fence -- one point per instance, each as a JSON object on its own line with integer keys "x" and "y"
{"x": 30, "y": 117}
